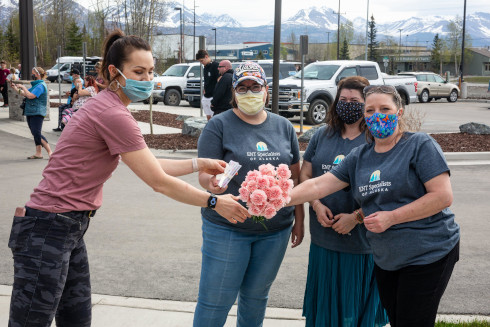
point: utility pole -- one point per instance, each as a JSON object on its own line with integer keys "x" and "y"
{"x": 277, "y": 56}
{"x": 194, "y": 38}
{"x": 400, "y": 46}
{"x": 183, "y": 31}
{"x": 367, "y": 26}
{"x": 328, "y": 45}
{"x": 462, "y": 45}
{"x": 338, "y": 32}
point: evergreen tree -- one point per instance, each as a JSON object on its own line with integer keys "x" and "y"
{"x": 260, "y": 55}
{"x": 344, "y": 51}
{"x": 373, "y": 44}
{"x": 74, "y": 40}
{"x": 436, "y": 52}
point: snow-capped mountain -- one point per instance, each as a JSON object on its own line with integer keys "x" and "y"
{"x": 316, "y": 22}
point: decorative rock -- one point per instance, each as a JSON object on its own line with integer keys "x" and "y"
{"x": 475, "y": 128}
{"x": 182, "y": 117}
{"x": 193, "y": 126}
{"x": 309, "y": 133}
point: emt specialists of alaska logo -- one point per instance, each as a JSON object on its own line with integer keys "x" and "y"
{"x": 263, "y": 153}
{"x": 376, "y": 185}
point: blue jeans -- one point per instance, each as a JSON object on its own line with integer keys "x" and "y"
{"x": 237, "y": 264}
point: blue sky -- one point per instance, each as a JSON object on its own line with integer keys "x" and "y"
{"x": 259, "y": 12}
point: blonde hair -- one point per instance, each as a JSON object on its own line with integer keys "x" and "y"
{"x": 40, "y": 71}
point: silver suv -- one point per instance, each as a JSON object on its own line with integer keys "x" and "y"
{"x": 432, "y": 86}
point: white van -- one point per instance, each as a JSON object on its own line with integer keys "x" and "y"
{"x": 64, "y": 66}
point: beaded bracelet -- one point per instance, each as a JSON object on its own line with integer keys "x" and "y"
{"x": 359, "y": 216}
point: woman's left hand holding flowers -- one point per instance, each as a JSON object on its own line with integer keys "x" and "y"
{"x": 379, "y": 221}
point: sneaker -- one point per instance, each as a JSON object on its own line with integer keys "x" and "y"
{"x": 57, "y": 129}
{"x": 5, "y": 105}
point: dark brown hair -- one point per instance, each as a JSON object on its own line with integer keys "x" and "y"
{"x": 201, "y": 54}
{"x": 117, "y": 48}
{"x": 332, "y": 119}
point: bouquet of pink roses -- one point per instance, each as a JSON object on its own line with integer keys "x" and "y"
{"x": 266, "y": 191}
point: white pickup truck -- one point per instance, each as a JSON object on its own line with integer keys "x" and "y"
{"x": 320, "y": 86}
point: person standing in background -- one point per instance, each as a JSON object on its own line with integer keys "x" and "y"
{"x": 211, "y": 75}
{"x": 4, "y": 72}
{"x": 222, "y": 92}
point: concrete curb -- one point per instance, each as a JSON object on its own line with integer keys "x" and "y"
{"x": 166, "y": 309}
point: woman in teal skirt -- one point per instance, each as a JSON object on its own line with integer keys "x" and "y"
{"x": 340, "y": 289}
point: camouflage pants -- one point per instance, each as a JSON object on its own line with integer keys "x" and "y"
{"x": 51, "y": 272}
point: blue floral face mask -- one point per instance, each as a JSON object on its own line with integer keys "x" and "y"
{"x": 382, "y": 125}
{"x": 136, "y": 90}
{"x": 349, "y": 112}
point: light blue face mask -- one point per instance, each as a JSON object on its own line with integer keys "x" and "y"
{"x": 136, "y": 90}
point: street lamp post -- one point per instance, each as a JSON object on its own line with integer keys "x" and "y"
{"x": 462, "y": 44}
{"x": 194, "y": 38}
{"x": 400, "y": 46}
{"x": 338, "y": 33}
{"x": 181, "y": 45}
{"x": 215, "y": 50}
{"x": 367, "y": 27}
{"x": 328, "y": 45}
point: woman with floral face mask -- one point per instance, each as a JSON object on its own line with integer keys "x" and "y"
{"x": 242, "y": 260}
{"x": 401, "y": 180}
{"x": 340, "y": 288}
{"x": 51, "y": 265}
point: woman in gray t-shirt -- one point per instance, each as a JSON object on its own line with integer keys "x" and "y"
{"x": 340, "y": 288}
{"x": 242, "y": 259}
{"x": 401, "y": 180}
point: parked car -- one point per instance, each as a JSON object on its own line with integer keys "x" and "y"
{"x": 433, "y": 86}
{"x": 192, "y": 92}
{"x": 320, "y": 87}
{"x": 169, "y": 87}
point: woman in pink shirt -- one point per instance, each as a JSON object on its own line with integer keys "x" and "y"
{"x": 51, "y": 275}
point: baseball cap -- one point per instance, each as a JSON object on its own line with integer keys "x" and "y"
{"x": 249, "y": 70}
{"x": 75, "y": 71}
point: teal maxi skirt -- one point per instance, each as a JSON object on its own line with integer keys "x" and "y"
{"x": 341, "y": 290}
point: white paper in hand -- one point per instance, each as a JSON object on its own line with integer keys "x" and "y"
{"x": 231, "y": 169}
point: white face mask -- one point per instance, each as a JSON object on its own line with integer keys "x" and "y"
{"x": 250, "y": 103}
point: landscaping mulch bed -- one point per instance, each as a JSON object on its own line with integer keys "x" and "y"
{"x": 449, "y": 142}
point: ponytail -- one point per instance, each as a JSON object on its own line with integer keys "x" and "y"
{"x": 117, "y": 48}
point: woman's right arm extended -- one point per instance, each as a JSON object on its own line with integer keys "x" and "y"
{"x": 316, "y": 188}
{"x": 144, "y": 164}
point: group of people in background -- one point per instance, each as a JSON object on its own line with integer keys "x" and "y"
{"x": 372, "y": 187}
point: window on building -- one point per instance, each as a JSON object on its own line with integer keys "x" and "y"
{"x": 487, "y": 66}
{"x": 255, "y": 52}
{"x": 265, "y": 51}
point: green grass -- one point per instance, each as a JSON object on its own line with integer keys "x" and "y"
{"x": 477, "y": 79}
{"x": 474, "y": 323}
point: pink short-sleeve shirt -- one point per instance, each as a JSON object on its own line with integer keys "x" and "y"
{"x": 86, "y": 155}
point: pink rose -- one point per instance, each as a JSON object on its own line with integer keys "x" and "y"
{"x": 262, "y": 182}
{"x": 252, "y": 186}
{"x": 283, "y": 171}
{"x": 267, "y": 169}
{"x": 255, "y": 211}
{"x": 278, "y": 204}
{"x": 258, "y": 197}
{"x": 244, "y": 194}
{"x": 270, "y": 211}
{"x": 275, "y": 193}
{"x": 286, "y": 185}
{"x": 272, "y": 181}
{"x": 252, "y": 175}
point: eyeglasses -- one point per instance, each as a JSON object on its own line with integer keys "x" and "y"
{"x": 242, "y": 89}
{"x": 379, "y": 89}
{"x": 221, "y": 66}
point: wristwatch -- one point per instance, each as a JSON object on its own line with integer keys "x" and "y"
{"x": 212, "y": 200}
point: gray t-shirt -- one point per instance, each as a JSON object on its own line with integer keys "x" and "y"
{"x": 325, "y": 152}
{"x": 227, "y": 137}
{"x": 387, "y": 181}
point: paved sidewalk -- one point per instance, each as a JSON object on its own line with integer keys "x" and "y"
{"x": 136, "y": 312}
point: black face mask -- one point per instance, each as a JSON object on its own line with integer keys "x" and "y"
{"x": 33, "y": 77}
{"x": 350, "y": 112}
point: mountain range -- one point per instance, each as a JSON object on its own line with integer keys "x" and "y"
{"x": 319, "y": 23}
